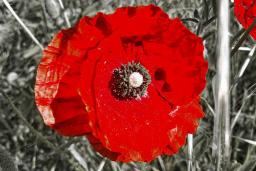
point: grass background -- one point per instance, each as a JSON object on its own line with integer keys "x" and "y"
{"x": 33, "y": 146}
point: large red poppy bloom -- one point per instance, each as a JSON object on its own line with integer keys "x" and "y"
{"x": 245, "y": 12}
{"x": 130, "y": 81}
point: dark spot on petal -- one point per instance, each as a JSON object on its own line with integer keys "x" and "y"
{"x": 160, "y": 74}
{"x": 131, "y": 11}
{"x": 248, "y": 4}
{"x": 154, "y": 9}
{"x": 103, "y": 25}
{"x": 126, "y": 40}
{"x": 166, "y": 87}
{"x": 138, "y": 43}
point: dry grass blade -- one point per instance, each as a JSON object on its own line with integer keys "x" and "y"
{"x": 246, "y": 62}
{"x": 244, "y": 49}
{"x": 243, "y": 37}
{"x": 78, "y": 157}
{"x": 239, "y": 112}
{"x": 161, "y": 163}
{"x": 208, "y": 106}
{"x": 246, "y": 140}
{"x": 102, "y": 164}
{"x": 64, "y": 13}
{"x": 22, "y": 24}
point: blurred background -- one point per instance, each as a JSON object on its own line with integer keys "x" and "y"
{"x": 27, "y": 144}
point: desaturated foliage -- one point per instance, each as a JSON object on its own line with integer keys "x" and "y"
{"x": 33, "y": 146}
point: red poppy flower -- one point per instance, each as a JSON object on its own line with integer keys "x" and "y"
{"x": 130, "y": 81}
{"x": 245, "y": 12}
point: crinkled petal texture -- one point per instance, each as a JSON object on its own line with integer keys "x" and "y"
{"x": 245, "y": 12}
{"x": 73, "y": 91}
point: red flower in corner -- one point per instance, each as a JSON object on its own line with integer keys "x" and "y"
{"x": 245, "y": 12}
{"x": 130, "y": 81}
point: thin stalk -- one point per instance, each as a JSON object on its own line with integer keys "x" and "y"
{"x": 245, "y": 64}
{"x": 78, "y": 157}
{"x": 244, "y": 101}
{"x": 190, "y": 19}
{"x": 6, "y": 3}
{"x": 190, "y": 152}
{"x": 102, "y": 164}
{"x": 221, "y": 137}
{"x": 64, "y": 13}
{"x": 243, "y": 37}
{"x": 161, "y": 163}
{"x": 237, "y": 35}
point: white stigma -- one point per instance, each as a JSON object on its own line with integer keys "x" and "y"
{"x": 135, "y": 79}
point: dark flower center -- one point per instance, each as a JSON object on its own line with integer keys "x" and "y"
{"x": 129, "y": 81}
